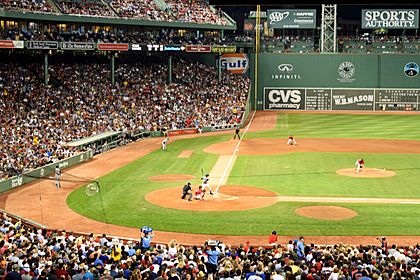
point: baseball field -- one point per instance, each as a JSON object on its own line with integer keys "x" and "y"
{"x": 260, "y": 183}
{"x": 263, "y": 184}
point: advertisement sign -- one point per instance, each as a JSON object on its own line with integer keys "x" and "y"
{"x": 236, "y": 63}
{"x": 76, "y": 46}
{"x": 137, "y": 47}
{"x": 198, "y": 48}
{"x": 346, "y": 71}
{"x": 250, "y": 25}
{"x": 284, "y": 99}
{"x": 390, "y": 19}
{"x": 253, "y": 14}
{"x": 112, "y": 47}
{"x": 42, "y": 45}
{"x": 173, "y": 48}
{"x": 223, "y": 49}
{"x": 155, "y": 48}
{"x": 344, "y": 99}
{"x": 182, "y": 131}
{"x": 11, "y": 44}
{"x": 292, "y": 19}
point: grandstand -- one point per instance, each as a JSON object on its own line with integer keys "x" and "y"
{"x": 79, "y": 78}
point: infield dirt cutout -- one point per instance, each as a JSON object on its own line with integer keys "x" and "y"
{"x": 171, "y": 177}
{"x": 229, "y": 198}
{"x": 366, "y": 173}
{"x": 331, "y": 213}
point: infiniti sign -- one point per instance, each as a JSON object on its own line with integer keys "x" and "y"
{"x": 285, "y": 67}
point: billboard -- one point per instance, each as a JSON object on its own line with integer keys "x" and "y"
{"x": 284, "y": 98}
{"x": 390, "y": 18}
{"x": 42, "y": 45}
{"x": 359, "y": 99}
{"x": 292, "y": 19}
{"x": 77, "y": 46}
{"x": 236, "y": 63}
{"x": 11, "y": 44}
{"x": 112, "y": 47}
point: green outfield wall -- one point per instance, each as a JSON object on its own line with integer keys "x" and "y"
{"x": 324, "y": 81}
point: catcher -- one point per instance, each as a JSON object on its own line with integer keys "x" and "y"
{"x": 359, "y": 165}
{"x": 199, "y": 193}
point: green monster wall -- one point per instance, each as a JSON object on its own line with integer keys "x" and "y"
{"x": 333, "y": 71}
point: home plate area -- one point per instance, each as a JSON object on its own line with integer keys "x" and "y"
{"x": 228, "y": 198}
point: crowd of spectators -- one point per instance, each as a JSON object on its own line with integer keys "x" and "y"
{"x": 196, "y": 11}
{"x": 85, "y": 7}
{"x": 191, "y": 11}
{"x": 36, "y": 121}
{"x": 140, "y": 9}
{"x": 26, "y": 5}
{"x": 31, "y": 253}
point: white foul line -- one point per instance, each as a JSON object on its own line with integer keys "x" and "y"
{"x": 234, "y": 152}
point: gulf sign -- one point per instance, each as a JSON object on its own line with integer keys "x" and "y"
{"x": 236, "y": 63}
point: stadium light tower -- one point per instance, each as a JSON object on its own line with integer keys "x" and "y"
{"x": 329, "y": 28}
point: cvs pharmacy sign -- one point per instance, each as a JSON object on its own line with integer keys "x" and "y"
{"x": 284, "y": 98}
{"x": 236, "y": 63}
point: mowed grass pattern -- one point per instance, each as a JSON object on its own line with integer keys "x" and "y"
{"x": 123, "y": 190}
{"x": 405, "y": 127}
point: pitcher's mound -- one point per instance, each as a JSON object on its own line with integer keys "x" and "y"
{"x": 366, "y": 173}
{"x": 229, "y": 198}
{"x": 171, "y": 177}
{"x": 334, "y": 213}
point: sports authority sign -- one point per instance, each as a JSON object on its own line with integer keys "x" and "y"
{"x": 391, "y": 19}
{"x": 291, "y": 19}
{"x": 284, "y": 98}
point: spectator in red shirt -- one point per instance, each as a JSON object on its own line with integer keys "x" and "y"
{"x": 272, "y": 239}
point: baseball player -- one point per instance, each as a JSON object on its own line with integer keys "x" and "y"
{"x": 199, "y": 194}
{"x": 205, "y": 183}
{"x": 359, "y": 165}
{"x": 57, "y": 173}
{"x": 164, "y": 143}
{"x": 291, "y": 140}
{"x": 237, "y": 134}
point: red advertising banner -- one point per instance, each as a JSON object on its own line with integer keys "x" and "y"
{"x": 198, "y": 48}
{"x": 11, "y": 44}
{"x": 112, "y": 47}
{"x": 182, "y": 131}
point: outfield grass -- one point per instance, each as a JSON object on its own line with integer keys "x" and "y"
{"x": 123, "y": 190}
{"x": 406, "y": 127}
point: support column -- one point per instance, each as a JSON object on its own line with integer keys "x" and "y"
{"x": 170, "y": 69}
{"x": 46, "y": 77}
{"x": 113, "y": 68}
{"x": 219, "y": 69}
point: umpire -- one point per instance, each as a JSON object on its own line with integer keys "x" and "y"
{"x": 187, "y": 190}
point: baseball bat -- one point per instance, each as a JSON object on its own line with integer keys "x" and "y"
{"x": 202, "y": 173}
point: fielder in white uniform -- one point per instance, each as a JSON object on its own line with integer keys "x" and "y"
{"x": 205, "y": 183}
{"x": 359, "y": 165}
{"x": 291, "y": 140}
{"x": 164, "y": 143}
